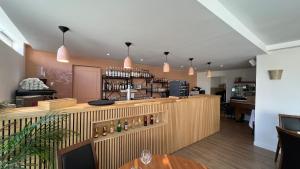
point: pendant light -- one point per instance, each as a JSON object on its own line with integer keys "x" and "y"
{"x": 63, "y": 53}
{"x": 127, "y": 60}
{"x": 166, "y": 67}
{"x": 209, "y": 73}
{"x": 191, "y": 69}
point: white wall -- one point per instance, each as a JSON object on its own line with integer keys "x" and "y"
{"x": 12, "y": 70}
{"x": 227, "y": 77}
{"x": 276, "y": 96}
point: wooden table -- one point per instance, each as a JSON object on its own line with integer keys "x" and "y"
{"x": 241, "y": 108}
{"x": 166, "y": 162}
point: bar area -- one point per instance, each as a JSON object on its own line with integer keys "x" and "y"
{"x": 121, "y": 131}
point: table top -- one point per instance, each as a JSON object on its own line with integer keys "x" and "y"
{"x": 165, "y": 162}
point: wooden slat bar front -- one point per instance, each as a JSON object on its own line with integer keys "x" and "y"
{"x": 183, "y": 122}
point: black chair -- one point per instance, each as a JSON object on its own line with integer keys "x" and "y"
{"x": 288, "y": 122}
{"x": 78, "y": 156}
{"x": 290, "y": 149}
{"x": 228, "y": 110}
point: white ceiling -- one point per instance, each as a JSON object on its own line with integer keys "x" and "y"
{"x": 273, "y": 21}
{"x": 184, "y": 27}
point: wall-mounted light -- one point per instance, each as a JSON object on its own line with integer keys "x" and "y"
{"x": 63, "y": 54}
{"x": 166, "y": 67}
{"x": 275, "y": 74}
{"x": 191, "y": 69}
{"x": 127, "y": 60}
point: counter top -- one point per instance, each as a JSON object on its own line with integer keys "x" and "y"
{"x": 38, "y": 111}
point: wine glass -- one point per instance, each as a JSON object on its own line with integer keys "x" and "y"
{"x": 146, "y": 157}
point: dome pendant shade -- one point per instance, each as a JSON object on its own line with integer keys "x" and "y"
{"x": 209, "y": 72}
{"x": 127, "y": 60}
{"x": 127, "y": 63}
{"x": 191, "y": 71}
{"x": 166, "y": 67}
{"x": 63, "y": 54}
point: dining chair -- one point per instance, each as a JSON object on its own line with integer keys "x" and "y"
{"x": 288, "y": 122}
{"x": 78, "y": 156}
{"x": 290, "y": 149}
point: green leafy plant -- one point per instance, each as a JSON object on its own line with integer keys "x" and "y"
{"x": 38, "y": 139}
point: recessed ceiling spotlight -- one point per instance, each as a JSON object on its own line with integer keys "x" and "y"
{"x": 221, "y": 66}
{"x": 108, "y": 54}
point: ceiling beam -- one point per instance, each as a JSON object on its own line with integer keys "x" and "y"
{"x": 284, "y": 45}
{"x": 225, "y": 15}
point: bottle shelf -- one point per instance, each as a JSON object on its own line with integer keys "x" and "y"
{"x": 131, "y": 130}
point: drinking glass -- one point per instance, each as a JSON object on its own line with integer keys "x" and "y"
{"x": 146, "y": 157}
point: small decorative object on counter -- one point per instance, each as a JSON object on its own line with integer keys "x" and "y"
{"x": 96, "y": 135}
{"x": 145, "y": 120}
{"x": 112, "y": 127}
{"x": 104, "y": 133}
{"x": 126, "y": 125}
{"x": 119, "y": 126}
{"x": 151, "y": 119}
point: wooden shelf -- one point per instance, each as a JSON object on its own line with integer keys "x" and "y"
{"x": 127, "y": 117}
{"x": 123, "y": 132}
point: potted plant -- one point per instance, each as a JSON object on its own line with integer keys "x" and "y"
{"x": 38, "y": 139}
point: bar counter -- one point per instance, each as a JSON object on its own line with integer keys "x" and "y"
{"x": 181, "y": 122}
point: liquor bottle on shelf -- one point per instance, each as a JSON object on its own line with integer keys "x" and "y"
{"x": 104, "y": 132}
{"x": 151, "y": 119}
{"x": 133, "y": 123}
{"x": 119, "y": 126}
{"x": 126, "y": 125}
{"x": 140, "y": 121}
{"x": 96, "y": 135}
{"x": 145, "y": 120}
{"x": 112, "y": 127}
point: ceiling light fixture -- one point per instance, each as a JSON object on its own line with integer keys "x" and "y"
{"x": 108, "y": 54}
{"x": 127, "y": 60}
{"x": 209, "y": 72}
{"x": 191, "y": 69}
{"x": 166, "y": 67}
{"x": 63, "y": 54}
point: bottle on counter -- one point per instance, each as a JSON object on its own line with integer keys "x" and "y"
{"x": 119, "y": 126}
{"x": 145, "y": 120}
{"x": 151, "y": 119}
{"x": 126, "y": 125}
{"x": 104, "y": 132}
{"x": 112, "y": 127}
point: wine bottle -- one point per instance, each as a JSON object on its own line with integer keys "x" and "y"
{"x": 126, "y": 125}
{"x": 112, "y": 127}
{"x": 145, "y": 120}
{"x": 119, "y": 126}
{"x": 104, "y": 133}
{"x": 151, "y": 119}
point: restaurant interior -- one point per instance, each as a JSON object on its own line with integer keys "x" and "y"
{"x": 138, "y": 84}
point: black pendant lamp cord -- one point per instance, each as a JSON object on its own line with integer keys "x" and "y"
{"x": 63, "y": 38}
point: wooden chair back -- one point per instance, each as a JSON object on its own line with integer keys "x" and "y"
{"x": 290, "y": 149}
{"x": 78, "y": 156}
{"x": 289, "y": 122}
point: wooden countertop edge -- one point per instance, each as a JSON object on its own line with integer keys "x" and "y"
{"x": 18, "y": 113}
